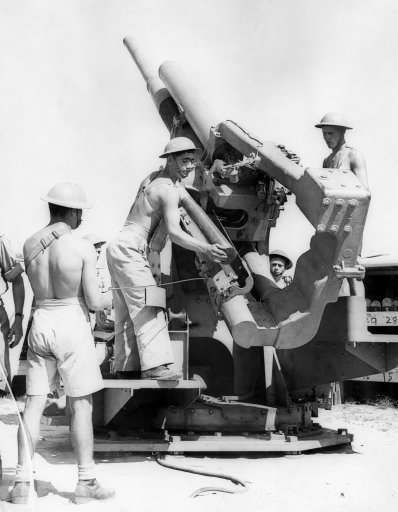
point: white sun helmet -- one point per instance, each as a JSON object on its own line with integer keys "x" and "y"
{"x": 178, "y": 145}
{"x": 283, "y": 255}
{"x": 333, "y": 119}
{"x": 69, "y": 195}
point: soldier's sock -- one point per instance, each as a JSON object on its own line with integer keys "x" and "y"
{"x": 23, "y": 474}
{"x": 86, "y": 471}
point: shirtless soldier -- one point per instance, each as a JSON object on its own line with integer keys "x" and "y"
{"x": 61, "y": 271}
{"x": 142, "y": 340}
{"x": 342, "y": 156}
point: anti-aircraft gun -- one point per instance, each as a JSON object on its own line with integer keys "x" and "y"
{"x": 254, "y": 349}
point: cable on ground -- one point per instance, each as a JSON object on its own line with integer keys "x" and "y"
{"x": 206, "y": 490}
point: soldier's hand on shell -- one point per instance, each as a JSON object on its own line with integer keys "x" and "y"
{"x": 217, "y": 253}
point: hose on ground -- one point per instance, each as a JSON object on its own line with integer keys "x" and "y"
{"x": 205, "y": 490}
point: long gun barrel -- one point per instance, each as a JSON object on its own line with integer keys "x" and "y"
{"x": 164, "y": 102}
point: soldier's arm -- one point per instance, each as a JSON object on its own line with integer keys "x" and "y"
{"x": 18, "y": 293}
{"x": 358, "y": 167}
{"x": 12, "y": 272}
{"x": 95, "y": 300}
{"x": 169, "y": 203}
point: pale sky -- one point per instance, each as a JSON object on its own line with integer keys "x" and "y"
{"x": 73, "y": 106}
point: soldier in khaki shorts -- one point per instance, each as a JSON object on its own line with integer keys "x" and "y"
{"x": 62, "y": 272}
{"x": 142, "y": 339}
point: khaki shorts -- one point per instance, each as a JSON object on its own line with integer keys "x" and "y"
{"x": 61, "y": 344}
{"x": 141, "y": 335}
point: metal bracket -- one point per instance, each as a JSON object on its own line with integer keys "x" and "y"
{"x": 231, "y": 171}
{"x": 357, "y": 272}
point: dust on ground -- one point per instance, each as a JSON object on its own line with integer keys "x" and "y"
{"x": 363, "y": 478}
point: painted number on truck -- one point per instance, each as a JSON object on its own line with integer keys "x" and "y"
{"x": 381, "y": 318}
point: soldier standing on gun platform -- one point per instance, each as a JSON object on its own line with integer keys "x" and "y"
{"x": 142, "y": 341}
{"x": 333, "y": 127}
{"x": 61, "y": 271}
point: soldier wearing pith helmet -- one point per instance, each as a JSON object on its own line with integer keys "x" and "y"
{"x": 343, "y": 156}
{"x": 279, "y": 264}
{"x": 142, "y": 342}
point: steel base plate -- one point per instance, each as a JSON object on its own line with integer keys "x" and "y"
{"x": 227, "y": 443}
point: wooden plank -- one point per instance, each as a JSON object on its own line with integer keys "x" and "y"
{"x": 151, "y": 384}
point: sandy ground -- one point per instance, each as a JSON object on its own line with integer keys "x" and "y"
{"x": 362, "y": 479}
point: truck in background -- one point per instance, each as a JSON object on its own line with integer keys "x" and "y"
{"x": 381, "y": 291}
